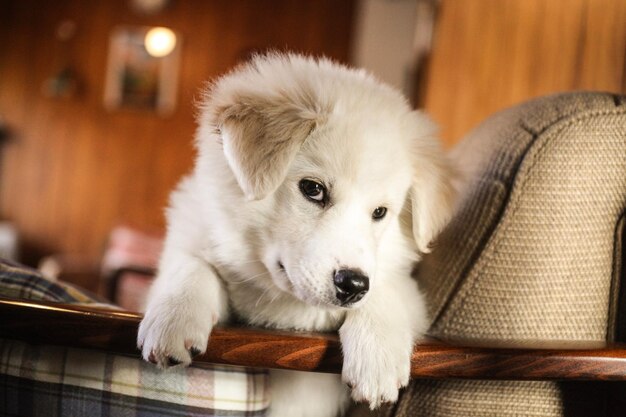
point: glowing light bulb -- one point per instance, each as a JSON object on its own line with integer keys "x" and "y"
{"x": 160, "y": 41}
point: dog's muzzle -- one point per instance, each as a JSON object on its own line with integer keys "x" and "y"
{"x": 351, "y": 285}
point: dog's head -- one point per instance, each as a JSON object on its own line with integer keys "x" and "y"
{"x": 334, "y": 160}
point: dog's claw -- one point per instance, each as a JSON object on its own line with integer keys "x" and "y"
{"x": 194, "y": 352}
{"x": 152, "y": 358}
{"x": 173, "y": 361}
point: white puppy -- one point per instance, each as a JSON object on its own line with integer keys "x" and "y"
{"x": 315, "y": 188}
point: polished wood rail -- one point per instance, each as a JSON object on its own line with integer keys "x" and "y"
{"x": 115, "y": 331}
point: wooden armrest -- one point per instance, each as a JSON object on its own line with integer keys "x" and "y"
{"x": 115, "y": 331}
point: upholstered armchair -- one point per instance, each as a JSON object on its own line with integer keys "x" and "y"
{"x": 535, "y": 254}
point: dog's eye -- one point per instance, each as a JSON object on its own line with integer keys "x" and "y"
{"x": 379, "y": 213}
{"x": 313, "y": 191}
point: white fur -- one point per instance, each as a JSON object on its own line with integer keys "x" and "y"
{"x": 241, "y": 214}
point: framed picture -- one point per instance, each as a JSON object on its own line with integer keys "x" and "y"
{"x": 142, "y": 69}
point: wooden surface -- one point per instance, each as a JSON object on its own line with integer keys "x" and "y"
{"x": 71, "y": 170}
{"x": 115, "y": 331}
{"x": 491, "y": 54}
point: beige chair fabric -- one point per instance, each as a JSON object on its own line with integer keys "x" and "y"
{"x": 532, "y": 252}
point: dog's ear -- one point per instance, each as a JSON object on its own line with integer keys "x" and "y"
{"x": 260, "y": 141}
{"x": 432, "y": 194}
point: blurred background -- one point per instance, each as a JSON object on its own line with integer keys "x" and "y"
{"x": 97, "y": 108}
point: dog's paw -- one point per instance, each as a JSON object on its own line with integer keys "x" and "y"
{"x": 375, "y": 369}
{"x": 173, "y": 332}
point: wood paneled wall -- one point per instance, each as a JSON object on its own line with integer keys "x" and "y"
{"x": 490, "y": 54}
{"x": 72, "y": 170}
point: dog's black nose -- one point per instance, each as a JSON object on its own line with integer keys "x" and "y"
{"x": 351, "y": 285}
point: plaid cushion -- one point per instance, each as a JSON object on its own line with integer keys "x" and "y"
{"x": 18, "y": 281}
{"x": 55, "y": 381}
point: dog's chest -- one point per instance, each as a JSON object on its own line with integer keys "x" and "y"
{"x": 271, "y": 307}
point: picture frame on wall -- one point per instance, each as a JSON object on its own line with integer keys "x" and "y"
{"x": 142, "y": 69}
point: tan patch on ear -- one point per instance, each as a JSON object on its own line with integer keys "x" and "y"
{"x": 432, "y": 200}
{"x": 432, "y": 204}
{"x": 259, "y": 145}
{"x": 433, "y": 195}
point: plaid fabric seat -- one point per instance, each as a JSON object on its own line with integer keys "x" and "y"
{"x": 18, "y": 281}
{"x": 54, "y": 381}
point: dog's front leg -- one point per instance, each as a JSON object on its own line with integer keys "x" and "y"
{"x": 186, "y": 300}
{"x": 377, "y": 341}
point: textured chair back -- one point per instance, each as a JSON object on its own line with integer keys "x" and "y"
{"x": 535, "y": 250}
